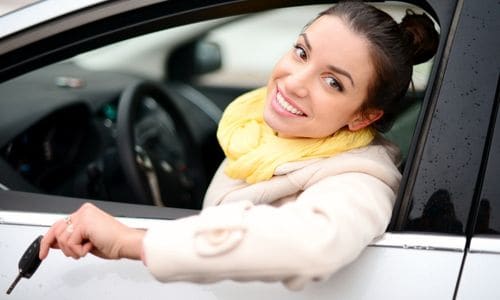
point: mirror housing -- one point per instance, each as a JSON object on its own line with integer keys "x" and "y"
{"x": 193, "y": 59}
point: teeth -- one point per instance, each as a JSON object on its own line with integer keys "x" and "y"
{"x": 287, "y": 106}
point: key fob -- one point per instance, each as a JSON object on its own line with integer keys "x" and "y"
{"x": 30, "y": 261}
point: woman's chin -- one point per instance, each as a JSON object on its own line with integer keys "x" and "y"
{"x": 274, "y": 125}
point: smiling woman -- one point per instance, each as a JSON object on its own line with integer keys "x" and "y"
{"x": 306, "y": 175}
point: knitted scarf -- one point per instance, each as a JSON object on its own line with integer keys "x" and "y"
{"x": 254, "y": 150}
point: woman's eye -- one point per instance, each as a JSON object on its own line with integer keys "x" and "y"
{"x": 300, "y": 52}
{"x": 332, "y": 82}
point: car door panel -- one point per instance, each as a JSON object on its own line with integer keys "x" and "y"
{"x": 372, "y": 276}
{"x": 481, "y": 270}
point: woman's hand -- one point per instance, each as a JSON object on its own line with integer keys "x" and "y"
{"x": 90, "y": 229}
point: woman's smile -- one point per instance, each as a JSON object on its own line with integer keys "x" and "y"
{"x": 285, "y": 106}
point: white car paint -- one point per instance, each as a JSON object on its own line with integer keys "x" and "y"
{"x": 483, "y": 258}
{"x": 437, "y": 258}
{"x": 39, "y": 12}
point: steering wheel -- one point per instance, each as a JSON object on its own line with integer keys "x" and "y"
{"x": 159, "y": 156}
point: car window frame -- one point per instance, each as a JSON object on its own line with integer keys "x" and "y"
{"x": 447, "y": 18}
{"x": 489, "y": 188}
{"x": 457, "y": 94}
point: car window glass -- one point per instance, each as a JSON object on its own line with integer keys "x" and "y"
{"x": 445, "y": 185}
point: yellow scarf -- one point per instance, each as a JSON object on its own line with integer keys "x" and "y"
{"x": 253, "y": 149}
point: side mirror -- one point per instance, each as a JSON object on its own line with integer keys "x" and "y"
{"x": 194, "y": 59}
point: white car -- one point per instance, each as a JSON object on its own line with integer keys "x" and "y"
{"x": 117, "y": 103}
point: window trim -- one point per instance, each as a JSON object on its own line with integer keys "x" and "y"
{"x": 16, "y": 201}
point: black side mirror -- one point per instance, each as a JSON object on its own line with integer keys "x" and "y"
{"x": 193, "y": 59}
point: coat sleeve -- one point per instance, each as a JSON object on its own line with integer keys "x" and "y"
{"x": 308, "y": 239}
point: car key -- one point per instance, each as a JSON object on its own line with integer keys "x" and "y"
{"x": 28, "y": 263}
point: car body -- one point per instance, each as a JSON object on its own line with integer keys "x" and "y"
{"x": 65, "y": 139}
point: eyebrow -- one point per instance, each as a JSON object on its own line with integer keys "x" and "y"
{"x": 341, "y": 72}
{"x": 306, "y": 40}
{"x": 331, "y": 67}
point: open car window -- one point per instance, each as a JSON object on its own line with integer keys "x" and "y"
{"x": 66, "y": 143}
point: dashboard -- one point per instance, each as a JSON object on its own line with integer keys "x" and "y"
{"x": 58, "y": 135}
{"x": 47, "y": 152}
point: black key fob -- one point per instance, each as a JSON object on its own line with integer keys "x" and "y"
{"x": 28, "y": 263}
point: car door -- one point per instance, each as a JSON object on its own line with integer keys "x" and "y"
{"x": 482, "y": 263}
{"x": 415, "y": 259}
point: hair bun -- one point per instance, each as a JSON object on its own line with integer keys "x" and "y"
{"x": 422, "y": 37}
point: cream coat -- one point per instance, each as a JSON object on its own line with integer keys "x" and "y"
{"x": 308, "y": 221}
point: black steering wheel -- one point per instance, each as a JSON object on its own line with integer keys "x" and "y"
{"x": 159, "y": 156}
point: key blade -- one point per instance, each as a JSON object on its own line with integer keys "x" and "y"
{"x": 13, "y": 285}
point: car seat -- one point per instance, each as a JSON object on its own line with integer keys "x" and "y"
{"x": 404, "y": 125}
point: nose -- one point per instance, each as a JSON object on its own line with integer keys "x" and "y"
{"x": 297, "y": 82}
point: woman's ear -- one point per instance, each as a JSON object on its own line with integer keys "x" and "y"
{"x": 364, "y": 119}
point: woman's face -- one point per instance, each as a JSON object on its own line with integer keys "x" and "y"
{"x": 318, "y": 87}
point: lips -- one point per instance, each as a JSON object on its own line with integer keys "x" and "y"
{"x": 287, "y": 105}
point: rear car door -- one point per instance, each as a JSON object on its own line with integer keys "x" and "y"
{"x": 482, "y": 264}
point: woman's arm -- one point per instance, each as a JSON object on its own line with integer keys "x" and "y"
{"x": 326, "y": 228}
{"x": 309, "y": 239}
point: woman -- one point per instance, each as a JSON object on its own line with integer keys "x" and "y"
{"x": 307, "y": 183}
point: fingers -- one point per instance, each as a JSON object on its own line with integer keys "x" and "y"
{"x": 89, "y": 229}
{"x": 47, "y": 240}
{"x": 50, "y": 239}
{"x": 65, "y": 232}
{"x": 86, "y": 248}
{"x": 77, "y": 245}
{"x": 67, "y": 236}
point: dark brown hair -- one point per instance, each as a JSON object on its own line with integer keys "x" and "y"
{"x": 395, "y": 48}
